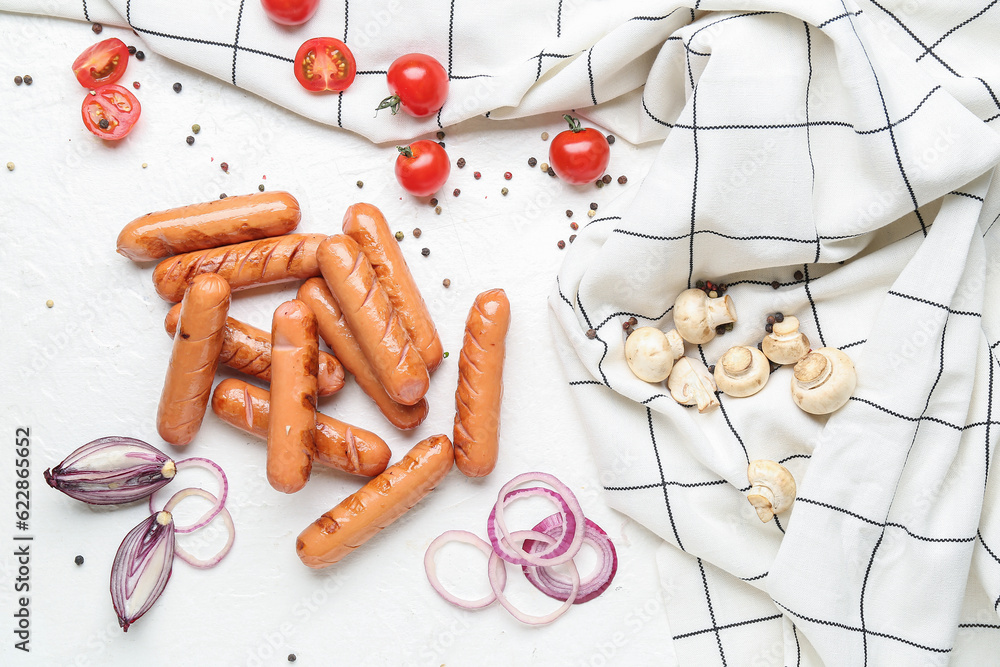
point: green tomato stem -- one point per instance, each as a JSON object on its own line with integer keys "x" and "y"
{"x": 405, "y": 151}
{"x": 574, "y": 124}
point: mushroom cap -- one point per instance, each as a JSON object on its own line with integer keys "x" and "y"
{"x": 690, "y": 383}
{"x": 696, "y": 315}
{"x": 823, "y": 381}
{"x": 785, "y": 345}
{"x": 650, "y": 354}
{"x": 742, "y": 371}
{"x": 772, "y": 488}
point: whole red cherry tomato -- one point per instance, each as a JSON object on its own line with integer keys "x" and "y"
{"x": 579, "y": 155}
{"x": 101, "y": 64}
{"x": 418, "y": 83}
{"x": 110, "y": 112}
{"x": 422, "y": 167}
{"x": 325, "y": 63}
{"x": 290, "y": 12}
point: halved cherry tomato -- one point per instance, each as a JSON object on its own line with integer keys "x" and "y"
{"x": 422, "y": 167}
{"x": 110, "y": 112}
{"x": 418, "y": 83}
{"x": 579, "y": 155}
{"x": 101, "y": 64}
{"x": 325, "y": 63}
{"x": 290, "y": 12}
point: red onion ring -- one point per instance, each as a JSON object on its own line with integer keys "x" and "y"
{"x": 218, "y": 504}
{"x": 561, "y": 551}
{"x": 430, "y": 567}
{"x": 556, "y": 586}
{"x": 226, "y": 517}
{"x": 504, "y": 550}
{"x": 514, "y": 611}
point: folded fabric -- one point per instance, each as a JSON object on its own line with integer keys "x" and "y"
{"x": 833, "y": 162}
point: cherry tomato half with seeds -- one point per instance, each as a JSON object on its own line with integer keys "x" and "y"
{"x": 579, "y": 155}
{"x": 325, "y": 63}
{"x": 418, "y": 83}
{"x": 422, "y": 167}
{"x": 101, "y": 64}
{"x": 110, "y": 112}
{"x": 290, "y": 12}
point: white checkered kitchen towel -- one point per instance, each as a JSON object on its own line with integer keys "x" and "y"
{"x": 842, "y": 150}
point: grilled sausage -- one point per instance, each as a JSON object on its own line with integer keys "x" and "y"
{"x": 480, "y": 384}
{"x": 361, "y": 515}
{"x": 365, "y": 224}
{"x": 338, "y": 445}
{"x": 375, "y": 324}
{"x": 247, "y": 349}
{"x": 291, "y": 433}
{"x": 193, "y": 359}
{"x": 209, "y": 225}
{"x": 244, "y": 265}
{"x": 334, "y": 331}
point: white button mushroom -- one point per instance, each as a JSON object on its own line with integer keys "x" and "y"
{"x": 690, "y": 383}
{"x": 650, "y": 353}
{"x": 823, "y": 381}
{"x": 772, "y": 488}
{"x": 696, "y": 315}
{"x": 742, "y": 371}
{"x": 785, "y": 345}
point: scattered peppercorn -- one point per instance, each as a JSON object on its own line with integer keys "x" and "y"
{"x": 574, "y": 226}
{"x": 223, "y": 195}
{"x": 760, "y": 346}
{"x": 545, "y": 136}
{"x": 461, "y": 162}
{"x": 700, "y": 284}
{"x": 569, "y": 213}
{"x": 225, "y": 167}
{"x": 18, "y": 80}
{"x": 591, "y": 214}
{"x": 139, "y": 55}
{"x": 599, "y": 183}
{"x": 551, "y": 172}
{"x": 399, "y": 236}
{"x": 10, "y": 166}
{"x": 768, "y": 328}
{"x": 799, "y": 275}
{"x": 131, "y": 50}
{"x": 622, "y": 180}
{"x": 561, "y": 244}
{"x": 720, "y": 330}
{"x": 433, "y": 201}
{"x": 261, "y": 187}
{"x": 770, "y": 319}
{"x": 440, "y": 134}
{"x": 361, "y": 184}
{"x": 144, "y": 165}
{"x": 79, "y": 559}
{"x": 633, "y": 321}
{"x": 456, "y": 192}
{"x": 626, "y": 325}
{"x": 572, "y": 237}
{"x": 773, "y": 365}
{"x": 28, "y": 80}
{"x": 446, "y": 282}
{"x": 417, "y": 233}
{"x": 291, "y": 657}
{"x": 103, "y": 123}
{"x": 50, "y": 303}
{"x": 593, "y": 206}
{"x": 477, "y": 175}
{"x": 177, "y": 87}
{"x": 591, "y": 333}
{"x": 441, "y": 144}
{"x": 611, "y": 138}
{"x": 779, "y": 317}
{"x": 504, "y": 191}
{"x": 532, "y": 162}
{"x": 775, "y": 285}
{"x": 97, "y": 28}
{"x": 711, "y": 369}
{"x": 189, "y": 140}
{"x": 136, "y": 85}
{"x": 544, "y": 166}
{"x": 196, "y": 128}
{"x": 606, "y": 179}
{"x": 713, "y": 294}
{"x": 437, "y": 209}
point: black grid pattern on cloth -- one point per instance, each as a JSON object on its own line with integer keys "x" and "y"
{"x": 671, "y": 486}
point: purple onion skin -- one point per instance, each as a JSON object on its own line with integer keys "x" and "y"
{"x": 111, "y": 471}
{"x": 138, "y": 553}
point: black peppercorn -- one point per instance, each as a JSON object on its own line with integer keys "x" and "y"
{"x": 606, "y": 179}
{"x": 78, "y": 560}
{"x": 593, "y": 206}
{"x": 622, "y": 180}
{"x": 532, "y": 162}
{"x": 775, "y": 285}
{"x": 131, "y": 50}
{"x": 591, "y": 333}
{"x": 799, "y": 275}
{"x": 18, "y": 80}
{"x": 433, "y": 201}
{"x": 779, "y": 317}
{"x": 189, "y": 140}
{"x": 440, "y": 134}
{"x": 177, "y": 87}
{"x": 768, "y": 328}
{"x": 611, "y": 138}
{"x": 461, "y": 162}
{"x": 770, "y": 319}
{"x": 97, "y": 28}
{"x": 569, "y": 213}
{"x": 28, "y": 80}
{"x": 103, "y": 124}
{"x": 425, "y": 252}
{"x": 139, "y": 55}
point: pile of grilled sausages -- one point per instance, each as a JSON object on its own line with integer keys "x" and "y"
{"x": 359, "y": 296}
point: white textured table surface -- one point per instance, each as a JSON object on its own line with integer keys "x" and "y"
{"x": 93, "y": 365}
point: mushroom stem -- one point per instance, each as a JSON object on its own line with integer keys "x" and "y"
{"x": 720, "y": 311}
{"x": 763, "y": 501}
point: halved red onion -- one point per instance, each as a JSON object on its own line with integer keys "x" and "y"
{"x": 111, "y": 471}
{"x": 218, "y": 504}
{"x": 497, "y": 570}
{"x": 559, "y": 588}
{"x": 514, "y": 611}
{"x": 561, "y": 550}
{"x": 182, "y": 553}
{"x": 142, "y": 567}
